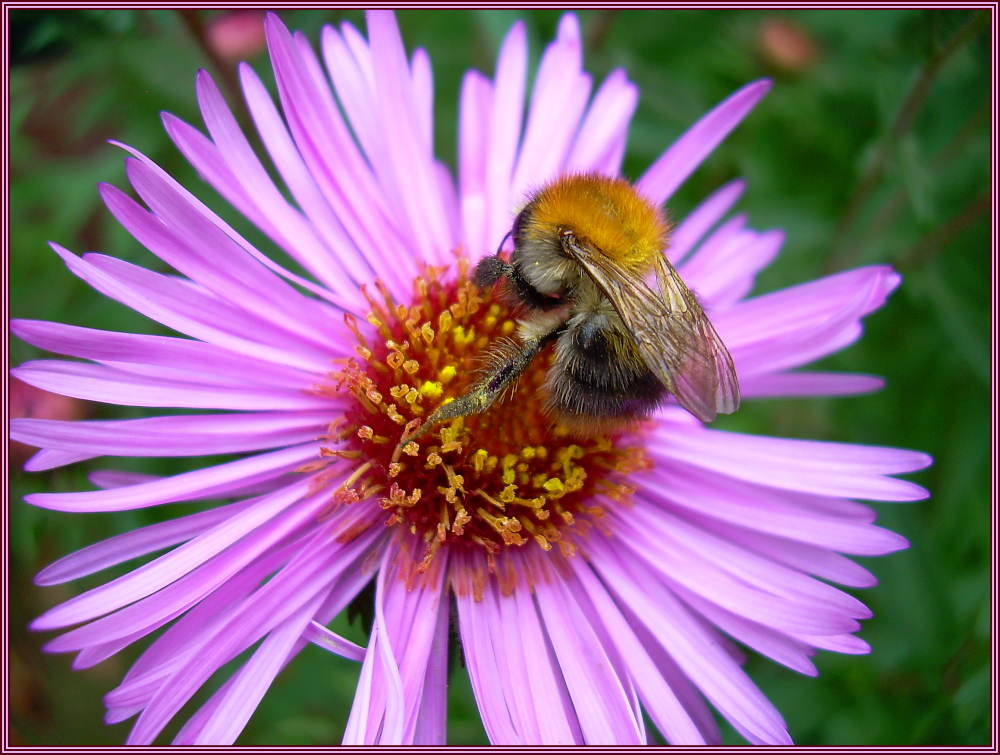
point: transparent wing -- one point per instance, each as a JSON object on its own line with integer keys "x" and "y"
{"x": 671, "y": 331}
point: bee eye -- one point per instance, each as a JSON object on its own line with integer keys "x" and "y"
{"x": 518, "y": 226}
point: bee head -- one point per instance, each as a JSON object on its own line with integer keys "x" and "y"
{"x": 538, "y": 255}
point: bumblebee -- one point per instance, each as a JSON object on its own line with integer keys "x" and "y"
{"x": 584, "y": 246}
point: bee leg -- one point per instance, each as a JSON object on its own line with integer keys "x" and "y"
{"x": 488, "y": 388}
{"x": 489, "y": 270}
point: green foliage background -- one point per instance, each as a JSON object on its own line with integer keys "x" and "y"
{"x": 891, "y": 119}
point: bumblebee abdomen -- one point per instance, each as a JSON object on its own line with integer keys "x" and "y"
{"x": 598, "y": 375}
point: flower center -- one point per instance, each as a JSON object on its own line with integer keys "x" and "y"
{"x": 511, "y": 477}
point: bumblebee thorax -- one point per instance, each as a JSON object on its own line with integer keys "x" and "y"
{"x": 606, "y": 212}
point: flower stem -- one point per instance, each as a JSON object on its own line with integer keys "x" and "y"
{"x": 939, "y": 163}
{"x": 914, "y": 100}
{"x": 937, "y": 239}
{"x": 195, "y": 24}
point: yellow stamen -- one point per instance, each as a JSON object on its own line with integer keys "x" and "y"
{"x": 534, "y": 480}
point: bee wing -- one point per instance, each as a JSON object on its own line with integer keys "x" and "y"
{"x": 708, "y": 373}
{"x": 671, "y": 331}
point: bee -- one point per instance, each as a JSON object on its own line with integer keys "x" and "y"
{"x": 584, "y": 246}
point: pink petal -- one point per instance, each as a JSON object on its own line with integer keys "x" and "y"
{"x": 600, "y": 144}
{"x": 761, "y": 573}
{"x": 549, "y": 699}
{"x": 205, "y": 157}
{"x": 786, "y": 384}
{"x": 696, "y": 652}
{"x": 700, "y": 268}
{"x": 512, "y": 713}
{"x": 181, "y": 307}
{"x": 598, "y": 695}
{"x": 734, "y": 273}
{"x": 787, "y": 614}
{"x": 322, "y": 637}
{"x": 809, "y": 559}
{"x": 473, "y": 144}
{"x": 333, "y": 159}
{"x": 513, "y": 664}
{"x": 203, "y": 622}
{"x": 666, "y": 710}
{"x": 306, "y": 577}
{"x": 132, "y": 544}
{"x": 801, "y": 310}
{"x": 320, "y": 240}
{"x": 687, "y": 693}
{"x": 816, "y": 467}
{"x": 252, "y": 681}
{"x": 765, "y": 640}
{"x": 183, "y": 638}
{"x": 423, "y": 95}
{"x": 335, "y": 601}
{"x": 358, "y": 46}
{"x": 353, "y": 84}
{"x": 181, "y": 235}
{"x": 541, "y": 710}
{"x": 385, "y": 189}
{"x": 673, "y": 167}
{"x": 698, "y": 222}
{"x": 502, "y": 128}
{"x": 431, "y": 724}
{"x": 47, "y": 459}
{"x": 192, "y": 435}
{"x": 251, "y": 175}
{"x": 844, "y": 643}
{"x": 409, "y": 156}
{"x": 117, "y": 478}
{"x": 769, "y": 511}
{"x": 449, "y": 197}
{"x": 377, "y": 712}
{"x": 558, "y": 98}
{"x": 178, "y": 357}
{"x": 345, "y": 590}
{"x": 95, "y": 382}
{"x": 168, "y": 568}
{"x": 410, "y": 617}
{"x": 202, "y": 483}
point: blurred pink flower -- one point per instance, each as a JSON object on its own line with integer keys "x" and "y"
{"x": 236, "y": 35}
{"x": 27, "y": 401}
{"x": 786, "y": 45}
{"x": 674, "y": 543}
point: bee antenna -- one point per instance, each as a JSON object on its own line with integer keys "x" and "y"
{"x": 502, "y": 242}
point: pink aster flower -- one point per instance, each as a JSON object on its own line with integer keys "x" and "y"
{"x": 595, "y": 578}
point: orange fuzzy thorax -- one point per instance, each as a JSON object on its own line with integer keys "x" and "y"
{"x": 607, "y": 212}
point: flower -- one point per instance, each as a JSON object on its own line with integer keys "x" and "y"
{"x": 594, "y": 578}
{"x": 236, "y": 34}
